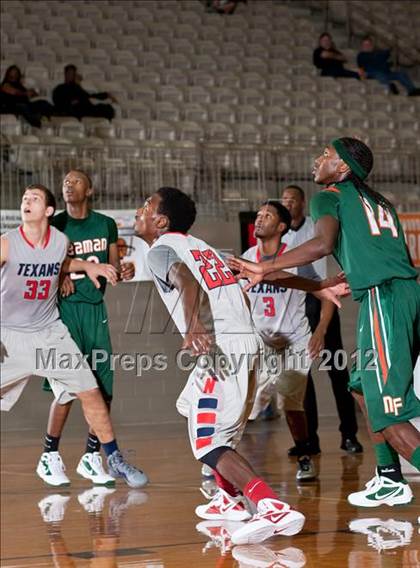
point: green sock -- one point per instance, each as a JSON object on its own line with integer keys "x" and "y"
{"x": 415, "y": 458}
{"x": 386, "y": 455}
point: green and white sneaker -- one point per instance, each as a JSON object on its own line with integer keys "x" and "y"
{"x": 381, "y": 490}
{"x": 91, "y": 467}
{"x": 51, "y": 469}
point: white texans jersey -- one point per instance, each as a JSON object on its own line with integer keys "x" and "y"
{"x": 276, "y": 310}
{"x": 226, "y": 309}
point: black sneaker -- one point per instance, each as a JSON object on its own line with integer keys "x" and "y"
{"x": 351, "y": 445}
{"x": 313, "y": 449}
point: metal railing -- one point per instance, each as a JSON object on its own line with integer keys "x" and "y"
{"x": 222, "y": 178}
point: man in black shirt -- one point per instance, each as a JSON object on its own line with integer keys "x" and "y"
{"x": 330, "y": 60}
{"x": 71, "y": 99}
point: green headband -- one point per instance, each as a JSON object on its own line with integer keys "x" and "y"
{"x": 348, "y": 159}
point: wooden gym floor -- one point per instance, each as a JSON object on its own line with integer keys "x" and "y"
{"x": 156, "y": 528}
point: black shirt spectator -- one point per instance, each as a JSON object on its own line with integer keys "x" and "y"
{"x": 71, "y": 99}
{"x": 15, "y": 98}
{"x": 330, "y": 60}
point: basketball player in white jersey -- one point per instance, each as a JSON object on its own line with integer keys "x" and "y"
{"x": 210, "y": 311}
{"x": 34, "y": 341}
{"x": 279, "y": 316}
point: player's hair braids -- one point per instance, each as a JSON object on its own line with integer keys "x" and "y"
{"x": 363, "y": 155}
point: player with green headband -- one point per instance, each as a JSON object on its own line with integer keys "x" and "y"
{"x": 361, "y": 228}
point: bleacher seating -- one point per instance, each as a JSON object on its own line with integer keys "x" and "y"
{"x": 183, "y": 75}
{"x": 233, "y": 67}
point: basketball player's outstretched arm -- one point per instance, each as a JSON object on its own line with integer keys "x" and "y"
{"x": 197, "y": 338}
{"x": 92, "y": 269}
{"x": 326, "y": 231}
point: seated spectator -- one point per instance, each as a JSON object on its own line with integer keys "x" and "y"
{"x": 15, "y": 98}
{"x": 71, "y": 99}
{"x": 223, "y": 6}
{"x": 376, "y": 65}
{"x": 330, "y": 60}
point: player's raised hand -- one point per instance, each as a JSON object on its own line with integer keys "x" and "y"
{"x": 127, "y": 270}
{"x": 94, "y": 270}
{"x": 246, "y": 270}
{"x": 241, "y": 266}
{"x": 198, "y": 340}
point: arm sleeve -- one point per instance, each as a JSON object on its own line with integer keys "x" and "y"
{"x": 160, "y": 260}
{"x": 113, "y": 231}
{"x": 324, "y": 203}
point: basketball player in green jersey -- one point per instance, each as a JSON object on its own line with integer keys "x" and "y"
{"x": 361, "y": 228}
{"x": 93, "y": 237}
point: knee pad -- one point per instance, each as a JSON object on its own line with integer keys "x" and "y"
{"x": 213, "y": 456}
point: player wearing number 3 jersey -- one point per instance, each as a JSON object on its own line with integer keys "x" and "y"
{"x": 362, "y": 229}
{"x": 211, "y": 313}
{"x": 279, "y": 316}
{"x": 93, "y": 238}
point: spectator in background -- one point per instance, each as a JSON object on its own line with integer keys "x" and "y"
{"x": 327, "y": 336}
{"x": 71, "y": 99}
{"x": 330, "y": 60}
{"x": 223, "y": 6}
{"x": 375, "y": 63}
{"x": 15, "y": 98}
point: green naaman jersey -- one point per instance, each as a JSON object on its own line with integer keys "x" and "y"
{"x": 89, "y": 240}
{"x": 370, "y": 247}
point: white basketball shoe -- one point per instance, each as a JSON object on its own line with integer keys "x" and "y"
{"x": 224, "y": 507}
{"x": 381, "y": 490}
{"x": 272, "y": 519}
{"x": 51, "y": 469}
{"x": 91, "y": 467}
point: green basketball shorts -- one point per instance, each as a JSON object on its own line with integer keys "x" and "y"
{"x": 88, "y": 326}
{"x": 388, "y": 335}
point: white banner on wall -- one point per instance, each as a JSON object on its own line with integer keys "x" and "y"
{"x": 131, "y": 248}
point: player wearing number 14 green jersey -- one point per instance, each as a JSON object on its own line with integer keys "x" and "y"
{"x": 93, "y": 237}
{"x": 361, "y": 228}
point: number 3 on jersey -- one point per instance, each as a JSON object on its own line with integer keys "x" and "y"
{"x": 385, "y": 219}
{"x": 213, "y": 270}
{"x": 270, "y": 308}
